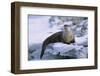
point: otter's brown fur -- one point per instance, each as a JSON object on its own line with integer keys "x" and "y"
{"x": 66, "y": 36}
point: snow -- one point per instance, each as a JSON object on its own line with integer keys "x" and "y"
{"x": 74, "y": 50}
{"x": 81, "y": 40}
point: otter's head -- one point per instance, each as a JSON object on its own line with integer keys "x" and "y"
{"x": 67, "y": 27}
{"x": 68, "y": 34}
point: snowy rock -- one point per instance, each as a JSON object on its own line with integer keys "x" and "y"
{"x": 60, "y": 47}
{"x": 82, "y": 40}
{"x": 75, "y": 50}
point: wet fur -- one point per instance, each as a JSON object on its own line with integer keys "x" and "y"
{"x": 56, "y": 37}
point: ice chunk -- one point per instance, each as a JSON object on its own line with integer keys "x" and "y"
{"x": 81, "y": 40}
{"x": 70, "y": 50}
{"x": 61, "y": 47}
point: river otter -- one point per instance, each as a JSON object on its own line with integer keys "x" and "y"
{"x": 66, "y": 36}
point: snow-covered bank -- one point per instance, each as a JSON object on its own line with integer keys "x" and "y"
{"x": 75, "y": 50}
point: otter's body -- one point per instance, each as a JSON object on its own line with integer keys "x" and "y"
{"x": 65, "y": 36}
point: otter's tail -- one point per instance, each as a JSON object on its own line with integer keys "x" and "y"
{"x": 51, "y": 39}
{"x": 43, "y": 50}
